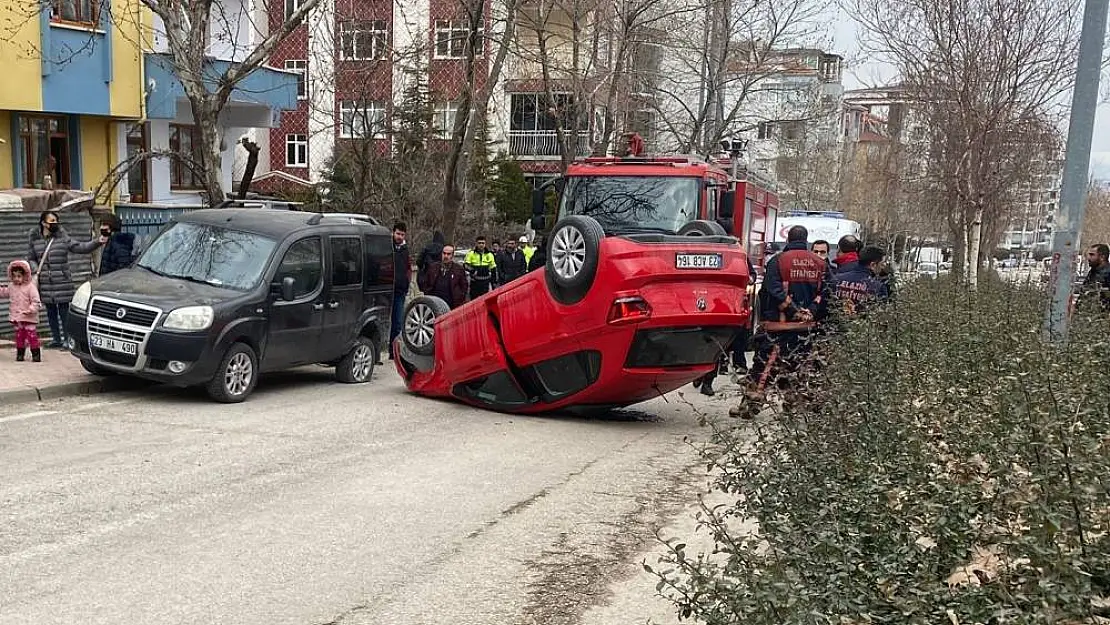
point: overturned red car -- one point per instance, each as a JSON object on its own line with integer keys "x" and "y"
{"x": 641, "y": 291}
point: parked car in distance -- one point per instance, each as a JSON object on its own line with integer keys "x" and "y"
{"x": 223, "y": 295}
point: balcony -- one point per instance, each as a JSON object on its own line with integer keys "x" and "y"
{"x": 544, "y": 144}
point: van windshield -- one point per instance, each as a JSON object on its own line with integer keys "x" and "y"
{"x": 628, "y": 204}
{"x": 222, "y": 257}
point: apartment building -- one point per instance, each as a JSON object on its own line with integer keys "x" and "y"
{"x": 71, "y": 80}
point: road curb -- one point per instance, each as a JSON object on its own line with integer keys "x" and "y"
{"x": 91, "y": 386}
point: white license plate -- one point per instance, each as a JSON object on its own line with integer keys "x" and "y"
{"x": 113, "y": 345}
{"x": 697, "y": 261}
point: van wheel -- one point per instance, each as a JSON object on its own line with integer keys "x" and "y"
{"x": 357, "y": 366}
{"x": 419, "y": 332}
{"x": 702, "y": 228}
{"x": 572, "y": 258}
{"x": 236, "y": 376}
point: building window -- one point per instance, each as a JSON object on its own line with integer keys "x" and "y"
{"x": 363, "y": 40}
{"x": 642, "y": 122}
{"x": 359, "y": 120}
{"x": 296, "y": 150}
{"x": 76, "y": 11}
{"x": 451, "y": 38}
{"x": 185, "y": 169}
{"x": 647, "y": 60}
{"x": 445, "y": 113}
{"x": 291, "y": 7}
{"x": 301, "y": 67}
{"x": 765, "y": 130}
{"x": 44, "y": 151}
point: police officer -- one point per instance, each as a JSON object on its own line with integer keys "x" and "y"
{"x": 792, "y": 302}
{"x": 481, "y": 264}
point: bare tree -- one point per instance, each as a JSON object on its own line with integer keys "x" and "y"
{"x": 189, "y": 29}
{"x": 985, "y": 74}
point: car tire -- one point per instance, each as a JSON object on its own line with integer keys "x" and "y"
{"x": 702, "y": 228}
{"x": 418, "y": 327}
{"x": 236, "y": 376}
{"x": 96, "y": 369}
{"x": 573, "y": 255}
{"x": 357, "y": 367}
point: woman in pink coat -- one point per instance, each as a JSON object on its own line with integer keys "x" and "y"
{"x": 23, "y": 309}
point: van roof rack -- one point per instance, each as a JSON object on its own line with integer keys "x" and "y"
{"x": 316, "y": 218}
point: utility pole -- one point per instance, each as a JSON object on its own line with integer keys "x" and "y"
{"x": 1077, "y": 163}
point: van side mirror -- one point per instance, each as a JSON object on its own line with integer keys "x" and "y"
{"x": 539, "y": 222}
{"x": 539, "y": 201}
{"x": 728, "y": 205}
{"x": 288, "y": 288}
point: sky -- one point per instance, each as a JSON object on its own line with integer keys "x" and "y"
{"x": 857, "y": 75}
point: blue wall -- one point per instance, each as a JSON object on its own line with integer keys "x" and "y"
{"x": 76, "y": 68}
{"x": 275, "y": 89}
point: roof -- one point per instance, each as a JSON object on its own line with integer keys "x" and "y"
{"x": 268, "y": 222}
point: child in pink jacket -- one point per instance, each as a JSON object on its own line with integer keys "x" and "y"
{"x": 23, "y": 309}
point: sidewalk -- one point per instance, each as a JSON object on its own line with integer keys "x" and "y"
{"x": 58, "y": 375}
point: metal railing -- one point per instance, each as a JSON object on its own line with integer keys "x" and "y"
{"x": 545, "y": 143}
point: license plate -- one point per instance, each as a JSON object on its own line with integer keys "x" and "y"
{"x": 697, "y": 261}
{"x": 114, "y": 345}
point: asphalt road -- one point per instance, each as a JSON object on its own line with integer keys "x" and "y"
{"x": 318, "y": 503}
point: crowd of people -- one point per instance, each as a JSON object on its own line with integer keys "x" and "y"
{"x": 43, "y": 281}
{"x": 802, "y": 290}
{"x": 488, "y": 265}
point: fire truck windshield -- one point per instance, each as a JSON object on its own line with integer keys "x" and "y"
{"x": 627, "y": 204}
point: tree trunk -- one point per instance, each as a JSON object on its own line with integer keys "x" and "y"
{"x": 974, "y": 242}
{"x": 206, "y": 117}
{"x": 248, "y": 173}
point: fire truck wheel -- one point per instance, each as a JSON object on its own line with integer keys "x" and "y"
{"x": 572, "y": 257}
{"x": 702, "y": 228}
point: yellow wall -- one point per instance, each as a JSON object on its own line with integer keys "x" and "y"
{"x": 130, "y": 28}
{"x": 6, "y": 170}
{"x": 21, "y": 73}
{"x": 96, "y": 151}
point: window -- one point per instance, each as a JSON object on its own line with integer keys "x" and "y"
{"x": 301, "y": 67}
{"x": 296, "y": 150}
{"x": 647, "y": 59}
{"x": 711, "y": 195}
{"x": 185, "y": 168}
{"x": 304, "y": 262}
{"x": 359, "y": 120}
{"x": 363, "y": 40}
{"x": 346, "y": 261}
{"x": 451, "y": 39}
{"x": 221, "y": 257}
{"x": 444, "y": 120}
{"x": 44, "y": 150}
{"x": 531, "y": 112}
{"x": 496, "y": 389}
{"x": 291, "y": 7}
{"x": 793, "y": 130}
{"x": 379, "y": 261}
{"x": 642, "y": 123}
{"x": 77, "y": 11}
{"x": 765, "y": 130}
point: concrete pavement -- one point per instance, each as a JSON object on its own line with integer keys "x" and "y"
{"x": 58, "y": 375}
{"x": 316, "y": 502}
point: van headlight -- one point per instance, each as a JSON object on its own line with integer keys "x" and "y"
{"x": 189, "y": 318}
{"x": 80, "y": 301}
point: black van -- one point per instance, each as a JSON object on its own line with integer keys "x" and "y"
{"x": 222, "y": 295}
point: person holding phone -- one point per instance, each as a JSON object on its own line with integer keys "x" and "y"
{"x": 48, "y": 250}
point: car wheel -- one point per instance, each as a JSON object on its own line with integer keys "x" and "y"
{"x": 96, "y": 369}
{"x": 702, "y": 228}
{"x": 419, "y": 332}
{"x": 236, "y": 376}
{"x": 357, "y": 366}
{"x": 572, "y": 257}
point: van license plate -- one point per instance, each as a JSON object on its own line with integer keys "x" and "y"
{"x": 113, "y": 345}
{"x": 697, "y": 261}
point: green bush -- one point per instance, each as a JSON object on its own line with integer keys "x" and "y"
{"x": 952, "y": 468}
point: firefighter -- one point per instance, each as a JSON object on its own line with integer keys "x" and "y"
{"x": 481, "y": 265}
{"x": 857, "y": 288}
{"x": 792, "y": 302}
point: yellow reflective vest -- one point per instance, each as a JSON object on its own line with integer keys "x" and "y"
{"x": 481, "y": 264}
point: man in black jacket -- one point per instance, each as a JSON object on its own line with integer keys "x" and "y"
{"x": 1096, "y": 286}
{"x": 513, "y": 264}
{"x": 119, "y": 252}
{"x": 402, "y": 280}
